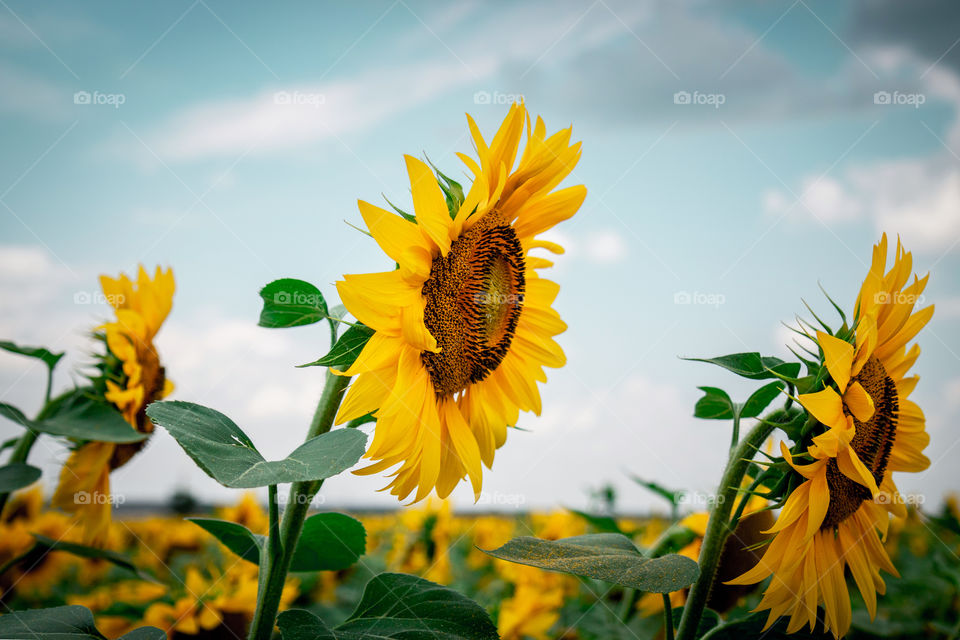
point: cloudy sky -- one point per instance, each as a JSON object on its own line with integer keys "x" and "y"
{"x": 736, "y": 154}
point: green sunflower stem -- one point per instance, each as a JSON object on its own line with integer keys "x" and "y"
{"x": 718, "y": 527}
{"x": 22, "y": 451}
{"x": 285, "y": 531}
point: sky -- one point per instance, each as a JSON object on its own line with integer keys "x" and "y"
{"x": 737, "y": 156}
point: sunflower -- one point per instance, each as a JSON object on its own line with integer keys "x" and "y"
{"x": 464, "y": 326}
{"x": 131, "y": 377}
{"x": 836, "y": 517}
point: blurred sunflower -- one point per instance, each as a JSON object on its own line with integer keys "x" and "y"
{"x": 463, "y": 327}
{"x": 130, "y": 376}
{"x": 870, "y": 429}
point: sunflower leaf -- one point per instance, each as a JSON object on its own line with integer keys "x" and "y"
{"x": 45, "y": 545}
{"x": 71, "y": 622}
{"x": 344, "y": 353}
{"x": 714, "y": 405}
{"x": 236, "y": 537}
{"x": 227, "y": 454}
{"x": 48, "y": 357}
{"x": 760, "y": 399}
{"x": 289, "y": 302}
{"x": 17, "y": 475}
{"x": 329, "y": 542}
{"x": 754, "y": 366}
{"x": 81, "y": 416}
{"x": 398, "y": 606}
{"x": 603, "y": 556}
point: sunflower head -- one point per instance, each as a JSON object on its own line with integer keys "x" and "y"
{"x": 464, "y": 325}
{"x": 862, "y": 428}
{"x": 128, "y": 375}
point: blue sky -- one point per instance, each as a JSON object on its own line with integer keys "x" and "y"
{"x": 231, "y": 141}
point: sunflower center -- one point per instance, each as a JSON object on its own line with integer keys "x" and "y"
{"x": 872, "y": 442}
{"x": 474, "y": 298}
{"x": 153, "y": 378}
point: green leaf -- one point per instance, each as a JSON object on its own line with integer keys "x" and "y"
{"x": 714, "y": 405}
{"x": 227, "y": 455}
{"x": 604, "y": 556}
{"x": 401, "y": 607}
{"x": 63, "y": 623}
{"x": 13, "y": 414}
{"x": 17, "y": 476}
{"x": 603, "y": 524}
{"x": 291, "y": 303}
{"x": 760, "y": 399}
{"x": 329, "y": 542}
{"x": 671, "y": 496}
{"x": 82, "y": 417}
{"x": 57, "y": 623}
{"x": 45, "y": 544}
{"x": 145, "y": 633}
{"x": 9, "y": 443}
{"x": 754, "y": 366}
{"x": 48, "y": 357}
{"x": 348, "y": 347}
{"x": 235, "y": 537}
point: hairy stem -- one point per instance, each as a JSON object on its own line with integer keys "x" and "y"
{"x": 718, "y": 527}
{"x": 285, "y": 531}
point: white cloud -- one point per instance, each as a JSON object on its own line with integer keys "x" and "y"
{"x": 915, "y": 198}
{"x": 605, "y": 247}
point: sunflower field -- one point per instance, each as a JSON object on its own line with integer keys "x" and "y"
{"x": 440, "y": 347}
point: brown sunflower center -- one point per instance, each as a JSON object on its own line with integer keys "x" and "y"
{"x": 474, "y": 298}
{"x": 153, "y": 378}
{"x": 872, "y": 442}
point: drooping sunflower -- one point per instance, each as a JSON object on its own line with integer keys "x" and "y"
{"x": 130, "y": 376}
{"x": 835, "y": 519}
{"x": 464, "y": 325}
